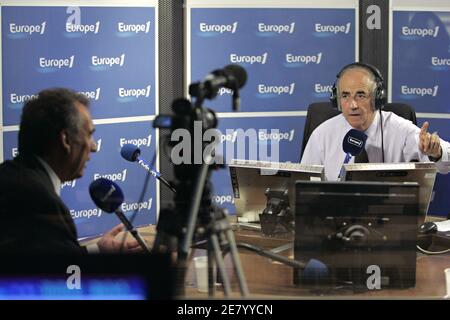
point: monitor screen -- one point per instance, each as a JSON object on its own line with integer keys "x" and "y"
{"x": 424, "y": 173}
{"x": 354, "y": 227}
{"x": 254, "y": 181}
{"x": 87, "y": 277}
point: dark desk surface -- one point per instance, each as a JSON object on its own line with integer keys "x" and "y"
{"x": 271, "y": 280}
{"x": 267, "y": 279}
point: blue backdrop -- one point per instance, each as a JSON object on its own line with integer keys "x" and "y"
{"x": 287, "y": 69}
{"x": 110, "y": 55}
{"x": 421, "y": 78}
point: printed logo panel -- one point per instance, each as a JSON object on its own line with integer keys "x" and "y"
{"x": 289, "y": 54}
{"x": 106, "y": 52}
{"x": 421, "y": 60}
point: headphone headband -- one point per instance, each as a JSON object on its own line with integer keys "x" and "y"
{"x": 380, "y": 93}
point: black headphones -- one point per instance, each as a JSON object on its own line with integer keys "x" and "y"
{"x": 380, "y": 92}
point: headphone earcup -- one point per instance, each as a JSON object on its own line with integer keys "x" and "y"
{"x": 380, "y": 97}
{"x": 333, "y": 96}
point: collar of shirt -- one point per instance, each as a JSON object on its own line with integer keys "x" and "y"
{"x": 53, "y": 177}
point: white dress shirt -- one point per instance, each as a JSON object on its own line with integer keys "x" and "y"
{"x": 53, "y": 176}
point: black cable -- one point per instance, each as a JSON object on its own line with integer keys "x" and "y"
{"x": 267, "y": 254}
{"x": 382, "y": 136}
{"x": 431, "y": 252}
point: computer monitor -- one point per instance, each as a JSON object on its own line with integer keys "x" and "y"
{"x": 356, "y": 229}
{"x": 424, "y": 173}
{"x": 254, "y": 181}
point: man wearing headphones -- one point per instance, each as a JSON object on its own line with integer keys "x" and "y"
{"x": 359, "y": 94}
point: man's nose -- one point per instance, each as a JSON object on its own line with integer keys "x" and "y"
{"x": 353, "y": 104}
{"x": 93, "y": 146}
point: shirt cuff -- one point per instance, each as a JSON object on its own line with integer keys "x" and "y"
{"x": 92, "y": 248}
{"x": 445, "y": 155}
{"x": 440, "y": 158}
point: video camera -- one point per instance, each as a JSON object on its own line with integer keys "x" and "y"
{"x": 196, "y": 119}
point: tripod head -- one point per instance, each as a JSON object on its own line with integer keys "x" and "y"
{"x": 231, "y": 77}
{"x": 190, "y": 121}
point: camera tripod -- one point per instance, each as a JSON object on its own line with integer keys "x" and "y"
{"x": 179, "y": 230}
{"x": 213, "y": 225}
{"x": 193, "y": 192}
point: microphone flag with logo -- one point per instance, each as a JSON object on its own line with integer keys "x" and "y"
{"x": 353, "y": 144}
{"x": 108, "y": 196}
{"x": 132, "y": 153}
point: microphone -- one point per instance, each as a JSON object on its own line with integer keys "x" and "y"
{"x": 353, "y": 144}
{"x": 132, "y": 153}
{"x": 108, "y": 196}
{"x": 232, "y": 76}
{"x": 315, "y": 272}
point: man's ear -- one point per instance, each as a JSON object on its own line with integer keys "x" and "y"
{"x": 65, "y": 141}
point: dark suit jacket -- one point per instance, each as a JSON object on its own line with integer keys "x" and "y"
{"x": 33, "y": 217}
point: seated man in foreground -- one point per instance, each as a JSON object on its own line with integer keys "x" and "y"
{"x": 55, "y": 142}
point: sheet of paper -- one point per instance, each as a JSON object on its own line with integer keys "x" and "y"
{"x": 443, "y": 226}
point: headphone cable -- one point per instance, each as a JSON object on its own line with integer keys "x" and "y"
{"x": 382, "y": 136}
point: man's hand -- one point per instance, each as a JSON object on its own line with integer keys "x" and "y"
{"x": 429, "y": 144}
{"x": 109, "y": 244}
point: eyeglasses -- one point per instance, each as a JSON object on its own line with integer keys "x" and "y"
{"x": 358, "y": 97}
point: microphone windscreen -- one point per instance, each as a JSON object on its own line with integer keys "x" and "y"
{"x": 106, "y": 194}
{"x": 354, "y": 142}
{"x": 130, "y": 152}
{"x": 181, "y": 106}
{"x": 238, "y": 72}
{"x": 315, "y": 272}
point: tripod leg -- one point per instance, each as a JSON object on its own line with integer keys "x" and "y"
{"x": 220, "y": 264}
{"x": 211, "y": 271}
{"x": 237, "y": 263}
